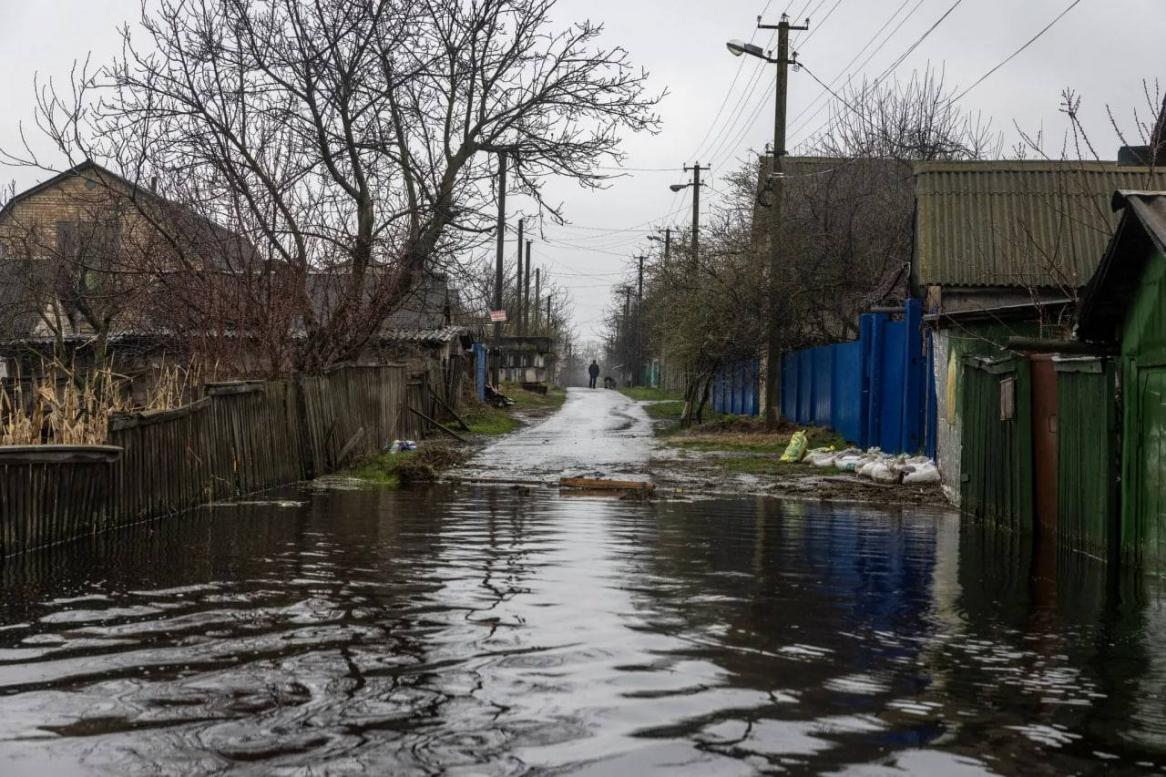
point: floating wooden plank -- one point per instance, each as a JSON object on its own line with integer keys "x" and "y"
{"x": 603, "y": 484}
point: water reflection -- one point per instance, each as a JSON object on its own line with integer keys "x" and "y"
{"x": 506, "y": 632}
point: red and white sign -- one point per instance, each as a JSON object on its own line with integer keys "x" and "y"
{"x": 498, "y": 316}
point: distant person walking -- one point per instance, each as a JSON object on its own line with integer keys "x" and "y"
{"x": 593, "y": 371}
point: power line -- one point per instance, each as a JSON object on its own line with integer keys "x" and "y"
{"x": 854, "y": 59}
{"x": 830, "y": 122}
{"x": 724, "y": 150}
{"x": 1014, "y": 54}
{"x": 728, "y": 93}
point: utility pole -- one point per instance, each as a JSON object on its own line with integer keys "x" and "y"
{"x": 639, "y": 336}
{"x": 537, "y": 297}
{"x": 518, "y": 325}
{"x": 773, "y": 347}
{"x": 695, "y": 205}
{"x": 664, "y": 349}
{"x": 501, "y": 246}
{"x": 526, "y": 292}
{"x": 667, "y": 241}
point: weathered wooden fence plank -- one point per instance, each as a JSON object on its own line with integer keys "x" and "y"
{"x": 240, "y": 438}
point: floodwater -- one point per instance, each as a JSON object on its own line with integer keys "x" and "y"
{"x": 494, "y": 631}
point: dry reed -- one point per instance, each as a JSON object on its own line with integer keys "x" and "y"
{"x": 67, "y": 407}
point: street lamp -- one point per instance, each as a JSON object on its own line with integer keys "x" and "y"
{"x": 679, "y": 187}
{"x": 739, "y": 47}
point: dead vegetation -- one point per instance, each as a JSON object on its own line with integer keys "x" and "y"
{"x": 70, "y": 407}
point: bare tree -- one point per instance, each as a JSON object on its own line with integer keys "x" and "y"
{"x": 352, "y": 143}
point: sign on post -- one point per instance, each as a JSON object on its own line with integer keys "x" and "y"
{"x": 498, "y": 316}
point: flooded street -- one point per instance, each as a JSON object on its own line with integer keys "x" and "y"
{"x": 596, "y": 433}
{"x": 490, "y": 630}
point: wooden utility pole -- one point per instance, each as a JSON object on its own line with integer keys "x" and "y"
{"x": 537, "y": 297}
{"x": 525, "y": 299}
{"x": 639, "y": 336}
{"x": 501, "y": 246}
{"x": 519, "y": 326}
{"x": 773, "y": 327}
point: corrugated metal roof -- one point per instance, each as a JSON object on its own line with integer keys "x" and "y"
{"x": 1140, "y": 233}
{"x": 437, "y": 336}
{"x": 1017, "y": 223}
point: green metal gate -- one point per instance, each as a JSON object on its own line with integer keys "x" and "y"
{"x": 996, "y": 462}
{"x": 1088, "y": 438}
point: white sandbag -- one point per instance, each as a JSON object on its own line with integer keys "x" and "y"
{"x": 822, "y": 459}
{"x": 923, "y": 475}
{"x": 847, "y": 463}
{"x": 882, "y": 472}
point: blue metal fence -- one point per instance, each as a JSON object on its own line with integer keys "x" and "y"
{"x": 481, "y": 363}
{"x": 735, "y": 388}
{"x": 872, "y": 391}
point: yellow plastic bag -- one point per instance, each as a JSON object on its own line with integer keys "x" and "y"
{"x": 796, "y": 448}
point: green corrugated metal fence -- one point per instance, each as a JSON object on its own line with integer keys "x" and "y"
{"x": 996, "y": 466}
{"x": 1088, "y": 463}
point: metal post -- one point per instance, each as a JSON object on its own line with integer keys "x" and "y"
{"x": 501, "y": 245}
{"x": 537, "y": 298}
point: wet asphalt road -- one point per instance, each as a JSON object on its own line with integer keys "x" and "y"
{"x": 597, "y": 433}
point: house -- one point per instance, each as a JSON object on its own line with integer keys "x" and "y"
{"x": 1123, "y": 309}
{"x": 1001, "y": 250}
{"x": 526, "y": 359}
{"x": 93, "y": 267}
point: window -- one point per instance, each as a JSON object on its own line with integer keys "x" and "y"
{"x": 1007, "y": 399}
{"x": 92, "y": 244}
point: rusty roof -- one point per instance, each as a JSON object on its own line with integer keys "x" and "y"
{"x": 1032, "y": 224}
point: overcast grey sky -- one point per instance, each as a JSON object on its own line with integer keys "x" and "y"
{"x": 1101, "y": 48}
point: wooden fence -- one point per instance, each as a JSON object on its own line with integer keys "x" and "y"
{"x": 239, "y": 439}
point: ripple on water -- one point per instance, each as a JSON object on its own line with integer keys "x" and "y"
{"x": 484, "y": 631}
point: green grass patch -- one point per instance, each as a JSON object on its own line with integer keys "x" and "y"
{"x": 485, "y": 419}
{"x": 669, "y": 410}
{"x": 393, "y": 470}
{"x": 381, "y": 469}
{"x": 763, "y": 465}
{"x": 552, "y": 400}
{"x": 735, "y": 443}
{"x": 646, "y": 394}
{"x": 703, "y": 439}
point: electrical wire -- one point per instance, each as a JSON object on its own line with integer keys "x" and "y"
{"x": 728, "y": 92}
{"x": 794, "y": 122}
{"x": 832, "y": 121}
{"x": 1016, "y": 53}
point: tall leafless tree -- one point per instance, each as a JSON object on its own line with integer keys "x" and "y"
{"x": 352, "y": 143}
